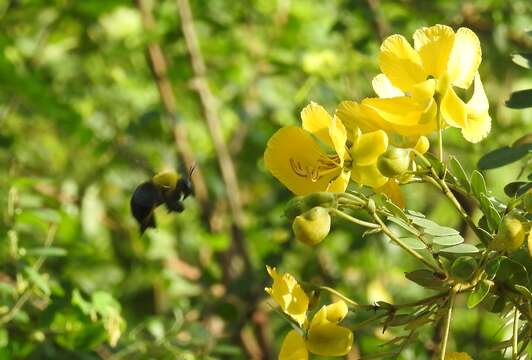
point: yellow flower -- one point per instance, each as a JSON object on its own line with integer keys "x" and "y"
{"x": 296, "y": 159}
{"x": 323, "y": 336}
{"x": 415, "y": 79}
{"x": 457, "y": 356}
{"x": 289, "y": 295}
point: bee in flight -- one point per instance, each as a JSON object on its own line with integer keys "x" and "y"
{"x": 167, "y": 187}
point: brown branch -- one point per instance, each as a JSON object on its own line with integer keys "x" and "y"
{"x": 379, "y": 23}
{"x": 210, "y": 110}
{"x": 184, "y": 150}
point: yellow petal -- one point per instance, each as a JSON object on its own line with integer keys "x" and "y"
{"x": 457, "y": 356}
{"x": 329, "y": 340}
{"x": 393, "y": 191}
{"x": 401, "y": 63}
{"x": 336, "y": 311}
{"x": 296, "y": 160}
{"x": 453, "y": 109}
{"x": 434, "y": 46}
{"x": 316, "y": 120}
{"x": 353, "y": 116}
{"x": 383, "y": 87}
{"x": 424, "y": 91}
{"x": 368, "y": 175}
{"x": 340, "y": 183}
{"x": 477, "y": 127}
{"x": 368, "y": 147}
{"x": 464, "y": 59}
{"x": 422, "y": 145}
{"x": 293, "y": 347}
{"x": 289, "y": 295}
{"x": 478, "y": 104}
{"x": 402, "y": 115}
{"x": 478, "y": 124}
{"x": 338, "y": 136}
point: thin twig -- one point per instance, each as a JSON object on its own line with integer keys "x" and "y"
{"x": 210, "y": 110}
{"x": 160, "y": 76}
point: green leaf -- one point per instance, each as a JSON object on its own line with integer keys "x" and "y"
{"x": 523, "y": 59}
{"x": 441, "y": 231}
{"x": 492, "y": 216}
{"x": 512, "y": 273}
{"x": 478, "y": 185}
{"x": 449, "y": 240}
{"x": 482, "y": 289}
{"x": 38, "y": 280}
{"x": 415, "y": 213}
{"x": 431, "y": 228}
{"x": 404, "y": 225}
{"x": 463, "y": 268}
{"x": 426, "y": 278}
{"x": 396, "y": 210}
{"x": 520, "y": 99}
{"x": 436, "y": 164}
{"x": 503, "y": 156}
{"x": 46, "y": 251}
{"x": 458, "y": 172}
{"x": 492, "y": 267}
{"x": 413, "y": 243}
{"x": 460, "y": 249}
{"x": 517, "y": 188}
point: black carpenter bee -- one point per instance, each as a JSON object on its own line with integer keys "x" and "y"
{"x": 167, "y": 187}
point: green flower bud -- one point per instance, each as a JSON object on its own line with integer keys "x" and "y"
{"x": 394, "y": 161}
{"x": 312, "y": 226}
{"x": 510, "y": 236}
{"x": 463, "y": 268}
{"x": 295, "y": 207}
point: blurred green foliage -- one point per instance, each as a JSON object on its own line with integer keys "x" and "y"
{"x": 81, "y": 124}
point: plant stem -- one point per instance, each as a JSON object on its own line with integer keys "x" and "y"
{"x": 352, "y": 303}
{"x": 354, "y": 220}
{"x": 515, "y": 334}
{"x": 398, "y": 241}
{"x": 447, "y": 325}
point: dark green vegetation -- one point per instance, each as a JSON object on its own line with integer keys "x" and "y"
{"x": 82, "y": 123}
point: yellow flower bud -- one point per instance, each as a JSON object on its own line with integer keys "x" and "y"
{"x": 510, "y": 236}
{"x": 313, "y": 226}
{"x": 394, "y": 161}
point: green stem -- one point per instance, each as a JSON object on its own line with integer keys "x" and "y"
{"x": 354, "y": 220}
{"x": 352, "y": 303}
{"x": 401, "y": 244}
{"x": 515, "y": 334}
{"x": 447, "y": 325}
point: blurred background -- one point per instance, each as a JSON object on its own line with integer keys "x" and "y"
{"x": 97, "y": 96}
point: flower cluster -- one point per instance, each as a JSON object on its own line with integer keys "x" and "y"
{"x": 322, "y": 335}
{"x": 373, "y": 142}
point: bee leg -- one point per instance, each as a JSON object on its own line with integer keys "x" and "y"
{"x": 174, "y": 206}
